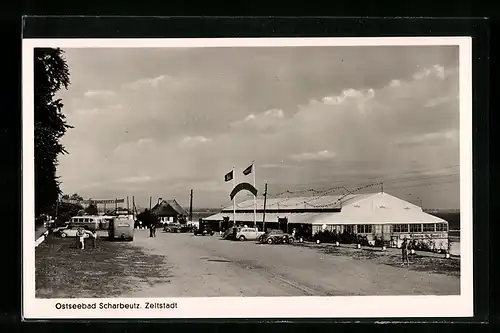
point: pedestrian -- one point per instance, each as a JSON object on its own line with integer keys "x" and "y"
{"x": 154, "y": 229}
{"x": 94, "y": 239}
{"x": 80, "y": 238}
{"x": 404, "y": 253}
{"x": 151, "y": 230}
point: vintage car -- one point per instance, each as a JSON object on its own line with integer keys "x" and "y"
{"x": 243, "y": 234}
{"x": 276, "y": 236}
{"x": 203, "y": 230}
{"x": 70, "y": 232}
{"x": 171, "y": 227}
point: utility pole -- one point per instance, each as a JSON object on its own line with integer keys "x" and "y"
{"x": 150, "y": 198}
{"x": 133, "y": 207}
{"x": 128, "y": 207}
{"x": 191, "y": 207}
{"x": 382, "y": 187}
{"x": 264, "y": 211}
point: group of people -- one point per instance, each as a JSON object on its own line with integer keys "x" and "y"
{"x": 81, "y": 234}
{"x": 152, "y": 230}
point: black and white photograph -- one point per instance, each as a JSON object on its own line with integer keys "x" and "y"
{"x": 247, "y": 178}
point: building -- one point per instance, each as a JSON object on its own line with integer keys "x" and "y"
{"x": 374, "y": 215}
{"x": 169, "y": 211}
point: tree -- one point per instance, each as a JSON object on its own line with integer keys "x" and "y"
{"x": 51, "y": 73}
{"x": 66, "y": 211}
{"x": 146, "y": 217}
{"x": 91, "y": 210}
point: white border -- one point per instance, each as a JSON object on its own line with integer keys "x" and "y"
{"x": 257, "y": 307}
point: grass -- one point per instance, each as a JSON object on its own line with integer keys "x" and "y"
{"x": 109, "y": 270}
{"x": 432, "y": 264}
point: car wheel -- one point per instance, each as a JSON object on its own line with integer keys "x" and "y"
{"x": 242, "y": 238}
{"x": 63, "y": 235}
{"x": 290, "y": 240}
{"x": 270, "y": 241}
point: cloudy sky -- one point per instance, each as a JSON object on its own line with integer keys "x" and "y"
{"x": 158, "y": 122}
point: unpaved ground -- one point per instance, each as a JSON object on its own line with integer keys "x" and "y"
{"x": 63, "y": 271}
{"x": 208, "y": 266}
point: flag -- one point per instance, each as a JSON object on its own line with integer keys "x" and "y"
{"x": 248, "y": 170}
{"x": 228, "y": 176}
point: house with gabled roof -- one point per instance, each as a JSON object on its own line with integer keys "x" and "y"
{"x": 169, "y": 211}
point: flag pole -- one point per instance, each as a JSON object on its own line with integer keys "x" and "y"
{"x": 254, "y": 198}
{"x": 234, "y": 198}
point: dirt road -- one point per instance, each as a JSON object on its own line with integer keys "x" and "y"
{"x": 205, "y": 266}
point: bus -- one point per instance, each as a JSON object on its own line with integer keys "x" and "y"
{"x": 121, "y": 228}
{"x": 89, "y": 222}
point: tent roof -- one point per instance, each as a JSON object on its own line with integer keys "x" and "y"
{"x": 299, "y": 203}
{"x": 372, "y": 208}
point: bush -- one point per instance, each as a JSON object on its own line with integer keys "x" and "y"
{"x": 347, "y": 238}
{"x": 421, "y": 245}
{"x": 379, "y": 242}
{"x": 326, "y": 236}
{"x": 362, "y": 240}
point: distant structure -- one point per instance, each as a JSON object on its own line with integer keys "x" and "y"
{"x": 374, "y": 215}
{"x": 169, "y": 211}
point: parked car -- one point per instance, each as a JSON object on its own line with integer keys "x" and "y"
{"x": 57, "y": 229}
{"x": 243, "y": 234}
{"x": 276, "y": 236}
{"x": 70, "y": 232}
{"x": 173, "y": 227}
{"x": 204, "y": 230}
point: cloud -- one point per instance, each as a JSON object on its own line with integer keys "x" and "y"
{"x": 195, "y": 140}
{"x": 436, "y": 71}
{"x": 137, "y": 179}
{"x": 146, "y": 82}
{"x": 433, "y": 102}
{"x": 99, "y": 93}
{"x": 98, "y": 111}
{"x": 428, "y": 139}
{"x": 395, "y": 83}
{"x": 318, "y": 156}
{"x": 357, "y": 96}
{"x": 276, "y": 166}
{"x": 262, "y": 121}
{"x": 130, "y": 148}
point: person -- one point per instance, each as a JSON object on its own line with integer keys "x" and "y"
{"x": 94, "y": 239}
{"x": 404, "y": 253}
{"x": 154, "y": 229}
{"x": 80, "y": 238}
{"x": 151, "y": 230}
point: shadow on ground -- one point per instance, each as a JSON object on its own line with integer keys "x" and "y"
{"x": 109, "y": 270}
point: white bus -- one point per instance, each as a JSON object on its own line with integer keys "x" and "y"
{"x": 90, "y": 222}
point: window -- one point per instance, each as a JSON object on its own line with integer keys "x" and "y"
{"x": 415, "y": 228}
{"x": 428, "y": 227}
{"x": 364, "y": 228}
{"x": 400, "y": 228}
{"x": 441, "y": 227}
{"x": 348, "y": 229}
